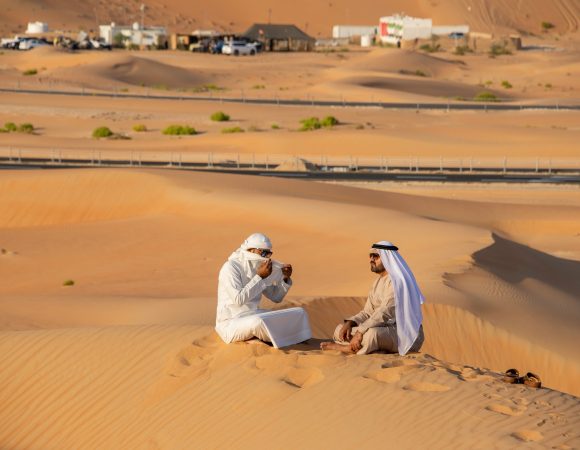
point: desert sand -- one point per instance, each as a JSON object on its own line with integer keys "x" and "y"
{"x": 127, "y": 356}
{"x": 109, "y": 276}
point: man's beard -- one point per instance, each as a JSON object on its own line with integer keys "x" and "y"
{"x": 377, "y": 268}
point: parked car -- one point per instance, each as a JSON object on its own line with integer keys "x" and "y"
{"x": 29, "y": 44}
{"x": 11, "y": 44}
{"x": 100, "y": 44}
{"x": 237, "y": 48}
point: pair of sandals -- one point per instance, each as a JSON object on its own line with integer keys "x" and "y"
{"x": 512, "y": 376}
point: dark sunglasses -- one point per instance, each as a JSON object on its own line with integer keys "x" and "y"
{"x": 374, "y": 255}
{"x": 264, "y": 252}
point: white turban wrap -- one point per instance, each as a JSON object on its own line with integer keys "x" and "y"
{"x": 408, "y": 296}
{"x": 251, "y": 261}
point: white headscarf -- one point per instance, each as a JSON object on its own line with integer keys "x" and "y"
{"x": 251, "y": 261}
{"x": 408, "y": 296}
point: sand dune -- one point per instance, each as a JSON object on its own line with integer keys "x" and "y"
{"x": 135, "y": 71}
{"x": 127, "y": 357}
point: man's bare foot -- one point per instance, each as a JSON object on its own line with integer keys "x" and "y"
{"x": 334, "y": 346}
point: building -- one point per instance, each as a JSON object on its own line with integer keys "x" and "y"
{"x": 280, "y": 38}
{"x": 37, "y": 28}
{"x": 350, "y": 31}
{"x": 134, "y": 35}
{"x": 397, "y": 28}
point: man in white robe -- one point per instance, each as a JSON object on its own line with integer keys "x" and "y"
{"x": 248, "y": 274}
{"x": 391, "y": 319}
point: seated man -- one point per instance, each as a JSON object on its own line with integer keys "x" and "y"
{"x": 246, "y": 275}
{"x": 391, "y": 318}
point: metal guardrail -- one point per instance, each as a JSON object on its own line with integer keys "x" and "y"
{"x": 310, "y": 101}
{"x": 289, "y": 163}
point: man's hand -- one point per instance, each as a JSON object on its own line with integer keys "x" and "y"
{"x": 287, "y": 271}
{"x": 345, "y": 331}
{"x": 356, "y": 342}
{"x": 265, "y": 269}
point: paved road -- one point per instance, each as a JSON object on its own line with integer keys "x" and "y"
{"x": 461, "y": 177}
{"x": 330, "y": 103}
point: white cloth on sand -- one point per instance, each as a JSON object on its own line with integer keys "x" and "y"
{"x": 240, "y": 289}
{"x": 408, "y": 297}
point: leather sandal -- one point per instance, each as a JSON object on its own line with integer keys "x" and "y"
{"x": 512, "y": 376}
{"x": 532, "y": 380}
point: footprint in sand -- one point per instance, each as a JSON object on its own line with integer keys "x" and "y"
{"x": 391, "y": 374}
{"x": 528, "y": 435}
{"x": 505, "y": 410}
{"x": 303, "y": 377}
{"x": 421, "y": 386}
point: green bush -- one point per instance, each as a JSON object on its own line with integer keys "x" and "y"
{"x": 329, "y": 121}
{"x": 10, "y": 127}
{"x": 219, "y": 117}
{"x": 258, "y": 86}
{"x": 420, "y": 73}
{"x": 179, "y": 130}
{"x": 30, "y": 72}
{"x": 310, "y": 124}
{"x": 486, "y": 97}
{"x": 26, "y": 128}
{"x": 430, "y": 48}
{"x": 275, "y": 126}
{"x": 102, "y": 132}
{"x": 547, "y": 26}
{"x": 232, "y": 130}
{"x": 499, "y": 48}
{"x": 506, "y": 84}
{"x": 139, "y": 128}
{"x": 68, "y": 283}
{"x": 462, "y": 50}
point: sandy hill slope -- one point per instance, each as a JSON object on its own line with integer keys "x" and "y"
{"x": 316, "y": 18}
{"x": 127, "y": 356}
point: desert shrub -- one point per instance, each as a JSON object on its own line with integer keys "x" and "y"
{"x": 232, "y": 130}
{"x": 329, "y": 121}
{"x": 499, "y": 48}
{"x": 310, "y": 124}
{"x": 462, "y": 50}
{"x": 254, "y": 128}
{"x": 420, "y": 73}
{"x": 102, "y": 132}
{"x": 179, "y": 130}
{"x": 10, "y": 127}
{"x": 30, "y": 72}
{"x": 506, "y": 84}
{"x": 26, "y": 128}
{"x": 429, "y": 48}
{"x": 360, "y": 126}
{"x": 219, "y": 116}
{"x": 486, "y": 97}
{"x": 68, "y": 283}
{"x": 139, "y": 128}
{"x": 548, "y": 85}
{"x": 258, "y": 86}
{"x": 3, "y": 130}
{"x": 207, "y": 88}
{"x": 275, "y": 126}
{"x": 547, "y": 26}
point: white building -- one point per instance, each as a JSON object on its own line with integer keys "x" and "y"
{"x": 37, "y": 28}
{"x": 397, "y": 28}
{"x": 135, "y": 35}
{"x": 348, "y": 31}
